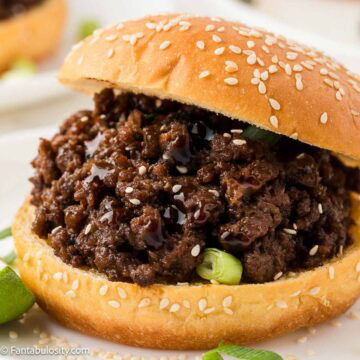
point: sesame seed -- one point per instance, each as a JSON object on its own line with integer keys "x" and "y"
{"x": 70, "y": 293}
{"x": 129, "y": 190}
{"x": 231, "y": 66}
{"x": 266, "y": 49}
{"x": 320, "y": 208}
{"x": 200, "y": 44}
{"x": 65, "y": 277}
{"x": 216, "y": 38}
{"x": 210, "y": 27}
{"x": 273, "y": 69}
{"x": 298, "y": 84}
{"x": 186, "y": 304}
{"x": 338, "y": 96}
{"x": 80, "y": 60}
{"x": 296, "y": 293}
{"x": 26, "y": 257}
{"x": 221, "y": 29}
{"x": 121, "y": 293}
{"x": 144, "y": 303}
{"x": 126, "y": 37}
{"x": 314, "y": 291}
{"x": 294, "y": 226}
{"x": 355, "y": 113}
{"x": 288, "y": 69}
{"x": 87, "y": 229}
{"x": 204, "y": 74}
{"x": 236, "y": 131}
{"x": 119, "y": 26}
{"x": 329, "y": 82}
{"x": 13, "y": 335}
{"x": 184, "y": 28}
{"x": 302, "y": 340}
{"x": 164, "y": 303}
{"x": 324, "y": 118}
{"x": 227, "y": 301}
{"x": 174, "y": 308}
{"x": 142, "y": 170}
{"x": 231, "y": 81}
{"x": 110, "y": 53}
{"x": 45, "y": 277}
{"x": 281, "y": 304}
{"x": 111, "y": 37}
{"x": 274, "y": 104}
{"x": 257, "y": 73}
{"x": 82, "y": 119}
{"x": 251, "y": 59}
{"x": 260, "y": 61}
{"x": 209, "y": 310}
{"x": 215, "y": 192}
{"x": 228, "y": 311}
{"x": 295, "y": 135}
{"x": 239, "y": 142}
{"x": 165, "y": 44}
{"x": 262, "y": 88}
{"x": 333, "y": 75}
{"x": 274, "y": 121}
{"x": 331, "y": 272}
{"x": 182, "y": 169}
{"x": 291, "y": 55}
{"x": 341, "y": 249}
{"x": 290, "y": 231}
{"x": 264, "y": 75}
{"x": 324, "y": 71}
{"x": 94, "y": 40}
{"x": 135, "y": 201}
{"x": 314, "y": 250}
{"x": 250, "y": 44}
{"x": 176, "y": 188}
{"x": 297, "y": 68}
{"x": 113, "y": 303}
{"x": 226, "y": 135}
{"x": 357, "y": 268}
{"x": 278, "y": 275}
{"x": 235, "y": 49}
{"x": 307, "y": 65}
{"x": 195, "y": 250}
{"x": 219, "y": 51}
{"x": 275, "y": 59}
{"x": 103, "y": 290}
{"x": 57, "y": 276}
{"x": 255, "y": 81}
{"x": 202, "y": 304}
{"x": 75, "y": 285}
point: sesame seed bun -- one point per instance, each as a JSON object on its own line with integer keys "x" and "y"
{"x": 195, "y": 316}
{"x": 35, "y": 34}
{"x": 227, "y": 67}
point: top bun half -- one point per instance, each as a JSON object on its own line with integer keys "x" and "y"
{"x": 226, "y": 67}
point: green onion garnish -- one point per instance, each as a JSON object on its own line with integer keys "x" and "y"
{"x": 255, "y": 133}
{"x": 10, "y": 258}
{"x": 220, "y": 266}
{"x": 5, "y": 233}
{"x": 21, "y": 67}
{"x": 87, "y": 27}
{"x": 240, "y": 353}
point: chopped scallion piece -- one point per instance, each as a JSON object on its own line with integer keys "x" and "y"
{"x": 220, "y": 266}
{"x": 254, "y": 133}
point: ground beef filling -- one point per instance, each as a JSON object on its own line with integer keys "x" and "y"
{"x": 132, "y": 187}
{"x": 9, "y": 8}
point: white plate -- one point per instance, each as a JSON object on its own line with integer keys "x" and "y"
{"x": 336, "y": 340}
{"x": 26, "y": 91}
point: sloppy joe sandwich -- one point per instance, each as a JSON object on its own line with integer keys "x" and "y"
{"x": 205, "y": 197}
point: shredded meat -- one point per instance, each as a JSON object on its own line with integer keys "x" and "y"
{"x": 130, "y": 188}
{"x": 9, "y": 8}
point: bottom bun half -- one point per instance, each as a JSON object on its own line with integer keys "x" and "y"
{"x": 196, "y": 316}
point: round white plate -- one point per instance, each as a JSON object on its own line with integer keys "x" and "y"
{"x": 334, "y": 340}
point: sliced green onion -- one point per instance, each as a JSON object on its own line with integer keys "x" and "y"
{"x": 21, "y": 67}
{"x": 10, "y": 258}
{"x": 5, "y": 233}
{"x": 257, "y": 134}
{"x": 240, "y": 353}
{"x": 87, "y": 27}
{"x": 220, "y": 266}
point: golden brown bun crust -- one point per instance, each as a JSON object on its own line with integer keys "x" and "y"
{"x": 34, "y": 34}
{"x": 309, "y": 86}
{"x": 195, "y": 316}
